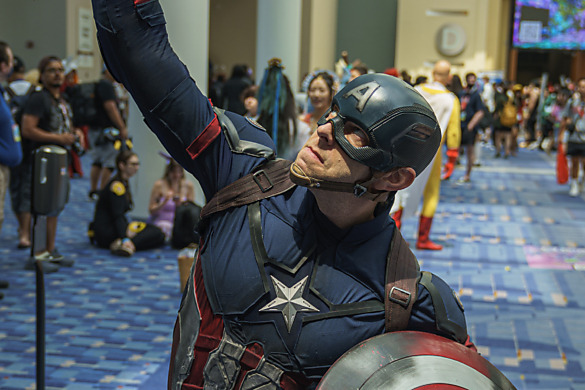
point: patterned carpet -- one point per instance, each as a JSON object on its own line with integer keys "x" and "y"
{"x": 514, "y": 251}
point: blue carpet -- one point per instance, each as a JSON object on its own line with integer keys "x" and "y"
{"x": 514, "y": 251}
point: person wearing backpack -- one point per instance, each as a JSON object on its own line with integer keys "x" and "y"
{"x": 505, "y": 118}
{"x": 18, "y": 92}
{"x": 107, "y": 127}
{"x": 46, "y": 120}
{"x": 18, "y": 88}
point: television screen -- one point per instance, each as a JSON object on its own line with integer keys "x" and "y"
{"x": 548, "y": 24}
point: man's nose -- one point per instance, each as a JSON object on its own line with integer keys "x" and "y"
{"x": 325, "y": 133}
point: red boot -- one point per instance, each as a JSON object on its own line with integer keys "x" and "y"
{"x": 449, "y": 167}
{"x": 424, "y": 229}
{"x": 397, "y": 216}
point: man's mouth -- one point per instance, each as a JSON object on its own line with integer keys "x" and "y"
{"x": 317, "y": 155}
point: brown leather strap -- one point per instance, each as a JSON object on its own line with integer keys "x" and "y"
{"x": 272, "y": 178}
{"x": 402, "y": 276}
{"x": 358, "y": 189}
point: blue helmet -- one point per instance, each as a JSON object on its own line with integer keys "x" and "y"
{"x": 401, "y": 126}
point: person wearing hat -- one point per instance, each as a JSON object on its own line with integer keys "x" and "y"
{"x": 294, "y": 256}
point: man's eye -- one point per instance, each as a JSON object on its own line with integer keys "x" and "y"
{"x": 356, "y": 136}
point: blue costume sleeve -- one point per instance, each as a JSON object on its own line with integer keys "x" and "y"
{"x": 438, "y": 310}
{"x": 10, "y": 149}
{"x": 134, "y": 44}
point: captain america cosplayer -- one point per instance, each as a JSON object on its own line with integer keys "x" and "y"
{"x": 285, "y": 284}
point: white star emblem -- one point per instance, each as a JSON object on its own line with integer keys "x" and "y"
{"x": 289, "y": 301}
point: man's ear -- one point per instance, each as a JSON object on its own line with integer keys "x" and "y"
{"x": 394, "y": 180}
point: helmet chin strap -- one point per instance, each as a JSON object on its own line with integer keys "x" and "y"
{"x": 360, "y": 189}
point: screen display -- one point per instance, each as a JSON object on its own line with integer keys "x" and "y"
{"x": 548, "y": 24}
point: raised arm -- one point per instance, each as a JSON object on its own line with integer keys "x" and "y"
{"x": 134, "y": 43}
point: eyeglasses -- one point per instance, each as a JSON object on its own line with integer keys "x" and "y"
{"x": 55, "y": 70}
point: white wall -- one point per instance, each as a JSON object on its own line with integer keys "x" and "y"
{"x": 38, "y": 22}
{"x": 279, "y": 35}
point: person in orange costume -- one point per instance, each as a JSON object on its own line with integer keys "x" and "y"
{"x": 427, "y": 185}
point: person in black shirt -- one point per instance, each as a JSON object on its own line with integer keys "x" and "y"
{"x": 110, "y": 227}
{"x": 103, "y": 134}
{"x": 233, "y": 88}
{"x": 46, "y": 119}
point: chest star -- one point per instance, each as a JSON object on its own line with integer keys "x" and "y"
{"x": 289, "y": 301}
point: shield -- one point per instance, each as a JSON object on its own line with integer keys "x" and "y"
{"x": 412, "y": 360}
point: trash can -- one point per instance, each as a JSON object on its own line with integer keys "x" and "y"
{"x": 50, "y": 186}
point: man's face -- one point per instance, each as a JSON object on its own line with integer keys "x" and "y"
{"x": 323, "y": 158}
{"x": 471, "y": 81}
{"x": 6, "y": 67}
{"x": 53, "y": 75}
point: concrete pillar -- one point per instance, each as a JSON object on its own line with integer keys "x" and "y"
{"x": 279, "y": 35}
{"x": 323, "y": 35}
{"x": 188, "y": 26}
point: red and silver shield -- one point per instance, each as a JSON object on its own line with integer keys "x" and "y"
{"x": 413, "y": 360}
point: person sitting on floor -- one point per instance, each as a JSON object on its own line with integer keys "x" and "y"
{"x": 172, "y": 199}
{"x": 110, "y": 227}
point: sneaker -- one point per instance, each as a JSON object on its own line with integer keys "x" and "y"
{"x": 56, "y": 255}
{"x": 46, "y": 266}
{"x": 574, "y": 191}
{"x": 56, "y": 258}
{"x": 59, "y": 259}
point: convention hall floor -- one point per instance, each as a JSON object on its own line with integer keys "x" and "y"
{"x": 514, "y": 251}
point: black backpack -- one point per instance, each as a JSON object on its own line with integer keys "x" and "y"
{"x": 83, "y": 102}
{"x": 185, "y": 225}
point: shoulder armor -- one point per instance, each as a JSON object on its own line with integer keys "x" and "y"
{"x": 236, "y": 144}
{"x": 118, "y": 188}
{"x": 448, "y": 308}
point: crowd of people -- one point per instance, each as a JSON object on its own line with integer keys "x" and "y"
{"x": 353, "y": 168}
{"x": 482, "y": 110}
{"x": 39, "y": 108}
{"x": 539, "y": 115}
